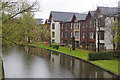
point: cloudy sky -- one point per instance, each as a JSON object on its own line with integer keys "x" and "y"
{"x": 71, "y": 6}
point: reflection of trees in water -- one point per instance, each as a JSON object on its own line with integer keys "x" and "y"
{"x": 43, "y": 53}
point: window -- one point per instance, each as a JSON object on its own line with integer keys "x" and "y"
{"x": 83, "y": 35}
{"x": 66, "y": 35}
{"x": 92, "y": 35}
{"x": 62, "y": 34}
{"x": 83, "y": 45}
{"x": 77, "y": 44}
{"x": 71, "y": 25}
{"x": 91, "y": 24}
{"x": 77, "y": 34}
{"x": 61, "y": 41}
{"x": 61, "y": 26}
{"x": 76, "y": 25}
{"x": 101, "y": 35}
{"x": 101, "y": 22}
{"x": 102, "y": 47}
{"x": 83, "y": 25}
{"x": 66, "y": 27}
{"x": 92, "y": 46}
{"x": 66, "y": 43}
{"x": 66, "y": 24}
{"x": 53, "y": 26}
{"x": 71, "y": 34}
{"x": 53, "y": 34}
{"x": 53, "y": 41}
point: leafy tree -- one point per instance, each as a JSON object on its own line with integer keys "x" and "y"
{"x": 15, "y": 22}
{"x": 28, "y": 23}
{"x": 116, "y": 35}
{"x": 41, "y": 33}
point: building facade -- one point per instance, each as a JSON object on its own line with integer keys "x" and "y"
{"x": 92, "y": 31}
{"x": 104, "y": 19}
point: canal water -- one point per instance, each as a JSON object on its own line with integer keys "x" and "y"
{"x": 28, "y": 62}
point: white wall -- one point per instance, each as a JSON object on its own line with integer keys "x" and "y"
{"x": 107, "y": 35}
{"x": 56, "y": 30}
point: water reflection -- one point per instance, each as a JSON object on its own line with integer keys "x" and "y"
{"x": 28, "y": 62}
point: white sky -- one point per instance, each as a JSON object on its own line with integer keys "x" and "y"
{"x": 71, "y": 6}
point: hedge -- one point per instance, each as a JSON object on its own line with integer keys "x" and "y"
{"x": 55, "y": 46}
{"x": 104, "y": 55}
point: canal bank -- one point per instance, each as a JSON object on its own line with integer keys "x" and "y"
{"x": 110, "y": 66}
{"x": 34, "y": 62}
{"x": 0, "y": 68}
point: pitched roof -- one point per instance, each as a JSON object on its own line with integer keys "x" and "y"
{"x": 47, "y": 21}
{"x": 66, "y": 16}
{"x": 92, "y": 13}
{"x": 80, "y": 16}
{"x": 109, "y": 10}
{"x": 39, "y": 21}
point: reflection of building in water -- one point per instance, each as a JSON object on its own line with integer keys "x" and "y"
{"x": 81, "y": 69}
{"x": 55, "y": 61}
{"x": 78, "y": 68}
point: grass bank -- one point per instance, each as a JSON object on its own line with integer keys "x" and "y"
{"x": 111, "y": 65}
{"x": 0, "y": 68}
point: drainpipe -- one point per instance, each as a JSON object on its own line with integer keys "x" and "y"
{"x": 98, "y": 37}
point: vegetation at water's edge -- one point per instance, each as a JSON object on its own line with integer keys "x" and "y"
{"x": 0, "y": 68}
{"x": 111, "y": 65}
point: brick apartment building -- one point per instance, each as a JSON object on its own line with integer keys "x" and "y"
{"x": 84, "y": 27}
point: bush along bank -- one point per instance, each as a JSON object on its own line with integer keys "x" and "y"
{"x": 55, "y": 46}
{"x": 104, "y": 55}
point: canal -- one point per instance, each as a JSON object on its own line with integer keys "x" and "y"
{"x": 28, "y": 62}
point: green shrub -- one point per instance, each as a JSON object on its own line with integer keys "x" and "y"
{"x": 100, "y": 56}
{"x": 55, "y": 46}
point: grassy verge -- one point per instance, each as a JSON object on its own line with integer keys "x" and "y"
{"x": 111, "y": 65}
{"x": 0, "y": 68}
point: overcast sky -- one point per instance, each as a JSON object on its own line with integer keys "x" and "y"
{"x": 71, "y": 6}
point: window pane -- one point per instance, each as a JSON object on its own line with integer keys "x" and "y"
{"x": 83, "y": 35}
{"x": 66, "y": 35}
{"x": 53, "y": 34}
{"x": 71, "y": 34}
{"x": 71, "y": 25}
{"x": 53, "y": 41}
{"x": 53, "y": 26}
{"x": 76, "y": 25}
{"x": 83, "y": 45}
{"x": 101, "y": 35}
{"x": 83, "y": 25}
{"x": 77, "y": 34}
{"x": 91, "y": 45}
{"x": 92, "y": 35}
{"x": 62, "y": 26}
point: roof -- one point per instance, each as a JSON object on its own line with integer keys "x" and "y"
{"x": 39, "y": 21}
{"x": 47, "y": 21}
{"x": 80, "y": 16}
{"x": 92, "y": 13}
{"x": 109, "y": 10}
{"x": 66, "y": 16}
